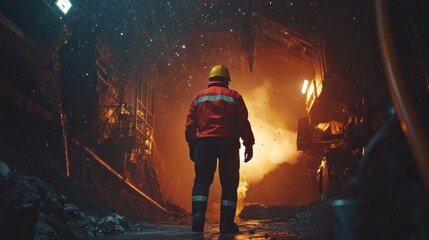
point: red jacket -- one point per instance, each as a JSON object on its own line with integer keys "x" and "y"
{"x": 218, "y": 111}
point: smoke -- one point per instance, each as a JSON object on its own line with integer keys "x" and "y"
{"x": 274, "y": 144}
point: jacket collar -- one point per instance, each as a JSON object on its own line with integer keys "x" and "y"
{"x": 218, "y": 84}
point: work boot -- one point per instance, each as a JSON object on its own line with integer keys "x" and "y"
{"x": 227, "y": 225}
{"x": 198, "y": 215}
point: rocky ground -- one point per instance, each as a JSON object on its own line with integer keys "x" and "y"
{"x": 294, "y": 219}
{"x": 38, "y": 201}
{"x": 29, "y": 207}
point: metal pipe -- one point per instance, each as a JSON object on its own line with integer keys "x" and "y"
{"x": 406, "y": 113}
{"x": 65, "y": 138}
{"x": 120, "y": 177}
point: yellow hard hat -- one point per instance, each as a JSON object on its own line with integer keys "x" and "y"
{"x": 219, "y": 71}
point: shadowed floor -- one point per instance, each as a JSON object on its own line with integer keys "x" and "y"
{"x": 255, "y": 229}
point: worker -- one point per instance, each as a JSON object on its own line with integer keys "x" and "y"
{"x": 216, "y": 120}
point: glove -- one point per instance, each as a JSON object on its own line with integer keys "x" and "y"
{"x": 248, "y": 153}
{"x": 192, "y": 148}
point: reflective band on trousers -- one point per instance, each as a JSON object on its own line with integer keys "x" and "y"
{"x": 199, "y": 198}
{"x": 228, "y": 203}
{"x": 212, "y": 98}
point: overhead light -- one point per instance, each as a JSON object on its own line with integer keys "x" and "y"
{"x": 304, "y": 86}
{"x": 64, "y": 5}
{"x": 310, "y": 91}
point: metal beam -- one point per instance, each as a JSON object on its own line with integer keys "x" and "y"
{"x": 120, "y": 177}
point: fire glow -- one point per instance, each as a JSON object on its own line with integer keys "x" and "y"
{"x": 241, "y": 195}
{"x": 274, "y": 144}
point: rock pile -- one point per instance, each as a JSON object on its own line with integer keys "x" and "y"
{"x": 29, "y": 209}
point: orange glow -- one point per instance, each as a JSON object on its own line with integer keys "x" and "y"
{"x": 274, "y": 143}
{"x": 323, "y": 165}
{"x": 241, "y": 196}
{"x": 274, "y": 105}
{"x": 323, "y": 126}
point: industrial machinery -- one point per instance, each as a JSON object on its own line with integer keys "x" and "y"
{"x": 373, "y": 165}
{"x": 335, "y": 128}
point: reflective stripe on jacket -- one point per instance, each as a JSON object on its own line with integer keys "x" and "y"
{"x": 218, "y": 111}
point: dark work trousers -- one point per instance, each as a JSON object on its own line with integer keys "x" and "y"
{"x": 209, "y": 150}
